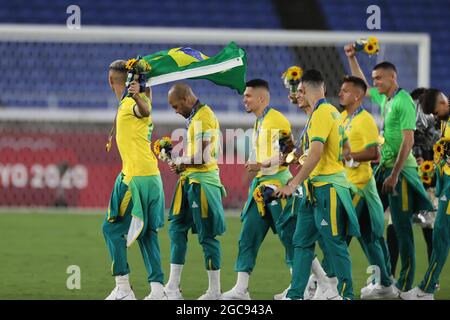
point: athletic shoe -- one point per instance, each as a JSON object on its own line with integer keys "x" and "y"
{"x": 311, "y": 288}
{"x": 173, "y": 294}
{"x": 326, "y": 293}
{"x": 280, "y": 296}
{"x": 379, "y": 292}
{"x": 117, "y": 294}
{"x": 416, "y": 294}
{"x": 156, "y": 296}
{"x": 235, "y": 294}
{"x": 209, "y": 295}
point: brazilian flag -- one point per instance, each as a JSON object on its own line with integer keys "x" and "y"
{"x": 227, "y": 68}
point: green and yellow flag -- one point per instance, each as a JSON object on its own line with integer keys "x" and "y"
{"x": 227, "y": 68}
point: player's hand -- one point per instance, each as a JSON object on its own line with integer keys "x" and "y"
{"x": 419, "y": 161}
{"x": 252, "y": 167}
{"x": 285, "y": 191}
{"x": 349, "y": 50}
{"x": 389, "y": 184}
{"x": 173, "y": 167}
{"x": 292, "y": 98}
{"x": 134, "y": 89}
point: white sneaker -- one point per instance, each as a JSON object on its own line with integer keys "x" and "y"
{"x": 311, "y": 288}
{"x": 367, "y": 289}
{"x": 416, "y": 294}
{"x": 326, "y": 293}
{"x": 379, "y": 292}
{"x": 156, "y": 296}
{"x": 173, "y": 294}
{"x": 209, "y": 295}
{"x": 117, "y": 294}
{"x": 235, "y": 294}
{"x": 280, "y": 296}
{"x": 286, "y": 298}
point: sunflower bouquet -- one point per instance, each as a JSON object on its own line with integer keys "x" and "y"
{"x": 369, "y": 45}
{"x": 137, "y": 68}
{"x": 291, "y": 79}
{"x": 426, "y": 172}
{"x": 163, "y": 148}
{"x": 441, "y": 150}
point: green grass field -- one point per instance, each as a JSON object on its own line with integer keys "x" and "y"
{"x": 37, "y": 248}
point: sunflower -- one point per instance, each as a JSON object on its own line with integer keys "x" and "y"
{"x": 293, "y": 73}
{"x": 166, "y": 142}
{"x": 438, "y": 149}
{"x": 142, "y": 66}
{"x": 426, "y": 180}
{"x": 427, "y": 166}
{"x": 130, "y": 64}
{"x": 371, "y": 48}
{"x": 157, "y": 147}
{"x": 372, "y": 40}
{"x": 258, "y": 194}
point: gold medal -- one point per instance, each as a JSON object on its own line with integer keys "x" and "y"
{"x": 290, "y": 157}
{"x": 108, "y": 145}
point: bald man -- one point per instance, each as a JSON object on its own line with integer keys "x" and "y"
{"x": 197, "y": 200}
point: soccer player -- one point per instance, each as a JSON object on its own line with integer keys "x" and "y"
{"x": 396, "y": 175}
{"x": 136, "y": 206}
{"x": 322, "y": 283}
{"x": 362, "y": 132}
{"x": 435, "y": 102}
{"x": 257, "y": 217}
{"x": 197, "y": 200}
{"x": 425, "y": 136}
{"x": 333, "y": 217}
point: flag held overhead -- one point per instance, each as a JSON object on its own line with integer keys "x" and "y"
{"x": 227, "y": 68}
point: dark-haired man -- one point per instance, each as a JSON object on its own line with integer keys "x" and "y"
{"x": 333, "y": 216}
{"x": 362, "y": 132}
{"x": 435, "y": 102}
{"x": 396, "y": 175}
{"x": 257, "y": 216}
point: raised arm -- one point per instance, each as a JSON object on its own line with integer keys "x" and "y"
{"x": 354, "y": 65}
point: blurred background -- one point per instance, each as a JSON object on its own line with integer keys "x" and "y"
{"x": 56, "y": 107}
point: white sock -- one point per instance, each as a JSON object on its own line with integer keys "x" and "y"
{"x": 318, "y": 271}
{"x": 214, "y": 281}
{"x": 123, "y": 283}
{"x": 175, "y": 276}
{"x": 156, "y": 287}
{"x": 242, "y": 281}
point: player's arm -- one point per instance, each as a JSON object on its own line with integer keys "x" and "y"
{"x": 368, "y": 154}
{"x": 311, "y": 161}
{"x": 407, "y": 144}
{"x": 355, "y": 69}
{"x": 142, "y": 107}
